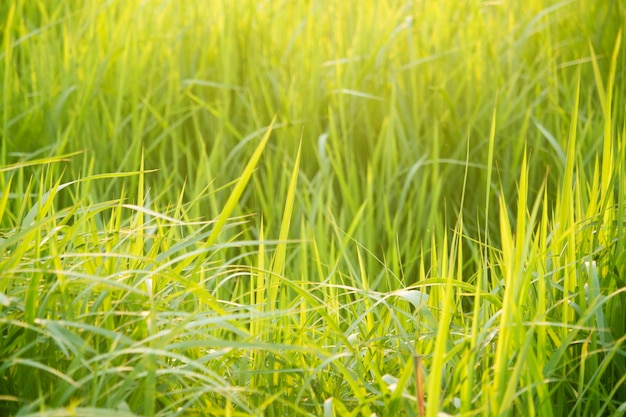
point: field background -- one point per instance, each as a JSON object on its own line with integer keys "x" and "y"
{"x": 276, "y": 208}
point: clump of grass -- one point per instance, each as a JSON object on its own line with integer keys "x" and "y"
{"x": 272, "y": 208}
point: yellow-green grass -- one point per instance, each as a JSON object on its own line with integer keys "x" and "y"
{"x": 276, "y": 208}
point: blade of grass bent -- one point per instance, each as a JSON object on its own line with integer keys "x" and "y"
{"x": 278, "y": 266}
{"x": 279, "y": 260}
{"x": 37, "y": 162}
{"x": 233, "y": 199}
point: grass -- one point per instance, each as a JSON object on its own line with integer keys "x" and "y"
{"x": 255, "y": 208}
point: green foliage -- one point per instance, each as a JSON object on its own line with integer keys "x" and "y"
{"x": 269, "y": 208}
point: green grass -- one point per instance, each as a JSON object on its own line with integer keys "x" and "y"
{"x": 277, "y": 208}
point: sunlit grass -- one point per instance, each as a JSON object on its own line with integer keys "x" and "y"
{"x": 255, "y": 208}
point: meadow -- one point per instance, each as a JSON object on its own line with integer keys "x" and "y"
{"x": 312, "y": 208}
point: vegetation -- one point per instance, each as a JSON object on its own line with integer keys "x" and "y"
{"x": 312, "y": 208}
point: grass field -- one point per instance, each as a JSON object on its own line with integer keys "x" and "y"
{"x": 312, "y": 208}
